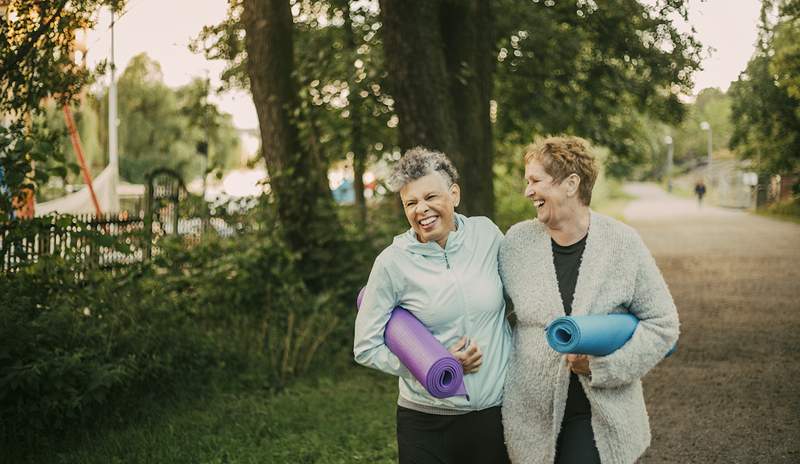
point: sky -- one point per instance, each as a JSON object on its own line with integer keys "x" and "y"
{"x": 163, "y": 29}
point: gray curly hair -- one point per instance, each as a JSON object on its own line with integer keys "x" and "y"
{"x": 419, "y": 162}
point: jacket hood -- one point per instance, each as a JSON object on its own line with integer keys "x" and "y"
{"x": 408, "y": 241}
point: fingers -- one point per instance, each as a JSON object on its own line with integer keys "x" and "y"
{"x": 578, "y": 363}
{"x": 473, "y": 359}
{"x": 456, "y": 348}
{"x": 468, "y": 353}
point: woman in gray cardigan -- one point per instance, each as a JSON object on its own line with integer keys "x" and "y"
{"x": 571, "y": 260}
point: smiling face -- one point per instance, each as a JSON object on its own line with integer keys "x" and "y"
{"x": 554, "y": 201}
{"x": 429, "y": 204}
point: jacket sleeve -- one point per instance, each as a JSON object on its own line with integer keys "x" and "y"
{"x": 655, "y": 334}
{"x": 369, "y": 347}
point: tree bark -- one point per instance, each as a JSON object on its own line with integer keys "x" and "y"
{"x": 356, "y": 122}
{"x": 439, "y": 56}
{"x": 298, "y": 177}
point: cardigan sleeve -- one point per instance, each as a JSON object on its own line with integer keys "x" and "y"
{"x": 655, "y": 334}
{"x": 379, "y": 300}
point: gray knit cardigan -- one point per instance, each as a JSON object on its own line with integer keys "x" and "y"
{"x": 617, "y": 274}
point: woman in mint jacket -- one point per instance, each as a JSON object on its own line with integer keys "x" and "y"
{"x": 444, "y": 271}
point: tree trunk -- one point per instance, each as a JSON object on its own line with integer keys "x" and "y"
{"x": 439, "y": 56}
{"x": 298, "y": 178}
{"x": 356, "y": 122}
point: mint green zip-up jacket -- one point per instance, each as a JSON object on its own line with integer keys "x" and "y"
{"x": 454, "y": 292}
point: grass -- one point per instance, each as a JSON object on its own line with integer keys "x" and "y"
{"x": 613, "y": 200}
{"x": 345, "y": 419}
{"x": 788, "y": 210}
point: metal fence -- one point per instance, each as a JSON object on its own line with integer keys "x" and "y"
{"x": 24, "y": 242}
{"x": 108, "y": 241}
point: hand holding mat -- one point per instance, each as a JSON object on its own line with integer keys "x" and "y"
{"x": 428, "y": 360}
{"x": 596, "y": 335}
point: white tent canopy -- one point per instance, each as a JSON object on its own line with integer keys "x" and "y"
{"x": 105, "y": 188}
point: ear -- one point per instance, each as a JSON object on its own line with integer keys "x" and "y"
{"x": 573, "y": 182}
{"x": 455, "y": 194}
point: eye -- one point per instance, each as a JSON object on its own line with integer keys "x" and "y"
{"x": 432, "y": 195}
{"x": 411, "y": 203}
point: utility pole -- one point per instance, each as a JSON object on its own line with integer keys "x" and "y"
{"x": 668, "y": 141}
{"x": 707, "y": 127}
{"x": 113, "y": 159}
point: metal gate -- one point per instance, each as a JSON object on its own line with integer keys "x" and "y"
{"x": 164, "y": 192}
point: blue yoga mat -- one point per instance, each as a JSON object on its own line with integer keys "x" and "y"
{"x": 596, "y": 335}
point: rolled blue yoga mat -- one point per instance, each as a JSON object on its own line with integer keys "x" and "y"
{"x": 596, "y": 335}
{"x": 428, "y": 360}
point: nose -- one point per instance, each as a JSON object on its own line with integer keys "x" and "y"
{"x": 529, "y": 191}
{"x": 421, "y": 207}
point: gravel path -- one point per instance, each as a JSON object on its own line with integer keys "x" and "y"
{"x": 731, "y": 393}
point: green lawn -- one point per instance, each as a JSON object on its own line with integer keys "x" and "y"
{"x": 788, "y": 210}
{"x": 342, "y": 420}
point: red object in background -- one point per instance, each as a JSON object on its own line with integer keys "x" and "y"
{"x": 26, "y": 207}
{"x": 76, "y": 144}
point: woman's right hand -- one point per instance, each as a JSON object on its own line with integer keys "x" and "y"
{"x": 468, "y": 354}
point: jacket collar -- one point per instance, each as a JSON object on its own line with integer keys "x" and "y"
{"x": 408, "y": 241}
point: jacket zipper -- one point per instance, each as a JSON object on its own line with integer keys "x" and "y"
{"x": 446, "y": 261}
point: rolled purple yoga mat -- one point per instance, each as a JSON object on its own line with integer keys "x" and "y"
{"x": 428, "y": 360}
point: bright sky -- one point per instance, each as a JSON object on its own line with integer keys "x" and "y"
{"x": 730, "y": 28}
{"x": 163, "y": 30}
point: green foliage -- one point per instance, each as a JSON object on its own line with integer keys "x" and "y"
{"x": 20, "y": 147}
{"x": 337, "y": 419}
{"x": 75, "y": 345}
{"x": 765, "y": 111}
{"x": 340, "y": 76}
{"x": 150, "y": 134}
{"x": 36, "y": 63}
{"x": 788, "y": 210}
{"x": 691, "y": 142}
{"x": 596, "y": 72}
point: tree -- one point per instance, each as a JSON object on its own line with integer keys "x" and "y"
{"x": 439, "y": 58}
{"x": 298, "y": 176}
{"x": 766, "y": 115}
{"x": 209, "y": 128}
{"x": 560, "y": 67}
{"x": 691, "y": 142}
{"x": 36, "y": 63}
{"x": 592, "y": 70}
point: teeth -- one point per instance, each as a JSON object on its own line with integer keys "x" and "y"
{"x": 427, "y": 221}
{"x": 538, "y": 203}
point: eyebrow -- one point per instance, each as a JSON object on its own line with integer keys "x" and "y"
{"x": 423, "y": 196}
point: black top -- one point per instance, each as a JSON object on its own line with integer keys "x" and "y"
{"x": 567, "y": 261}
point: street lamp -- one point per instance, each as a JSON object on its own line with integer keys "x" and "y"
{"x": 707, "y": 127}
{"x": 668, "y": 142}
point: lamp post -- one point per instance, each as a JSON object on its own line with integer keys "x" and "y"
{"x": 668, "y": 142}
{"x": 707, "y": 127}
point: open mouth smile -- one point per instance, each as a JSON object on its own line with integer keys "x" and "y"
{"x": 428, "y": 222}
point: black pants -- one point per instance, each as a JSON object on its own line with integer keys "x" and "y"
{"x": 475, "y": 437}
{"x": 576, "y": 442}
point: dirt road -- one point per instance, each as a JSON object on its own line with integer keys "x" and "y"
{"x": 731, "y": 393}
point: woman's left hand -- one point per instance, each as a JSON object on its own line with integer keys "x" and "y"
{"x": 579, "y": 364}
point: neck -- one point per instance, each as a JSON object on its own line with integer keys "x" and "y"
{"x": 573, "y": 228}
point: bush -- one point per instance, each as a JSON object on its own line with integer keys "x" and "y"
{"x": 74, "y": 345}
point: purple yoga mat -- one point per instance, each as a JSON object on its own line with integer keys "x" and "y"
{"x": 428, "y": 360}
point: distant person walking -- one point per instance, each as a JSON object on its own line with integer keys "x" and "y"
{"x": 700, "y": 191}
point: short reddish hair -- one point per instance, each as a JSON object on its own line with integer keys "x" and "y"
{"x": 565, "y": 155}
